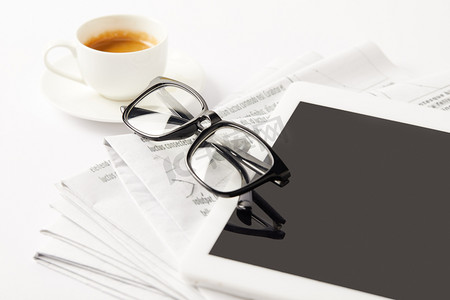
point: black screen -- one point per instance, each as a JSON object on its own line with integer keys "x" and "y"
{"x": 367, "y": 206}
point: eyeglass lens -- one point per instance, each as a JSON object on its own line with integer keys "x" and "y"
{"x": 164, "y": 110}
{"x": 229, "y": 159}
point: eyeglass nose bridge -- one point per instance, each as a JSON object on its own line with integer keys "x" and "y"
{"x": 207, "y": 119}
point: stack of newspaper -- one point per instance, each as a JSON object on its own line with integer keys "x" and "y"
{"x": 127, "y": 221}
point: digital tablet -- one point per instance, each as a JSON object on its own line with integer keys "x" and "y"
{"x": 367, "y": 208}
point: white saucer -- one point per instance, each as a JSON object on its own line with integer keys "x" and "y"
{"x": 83, "y": 102}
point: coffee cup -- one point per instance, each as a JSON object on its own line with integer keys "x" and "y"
{"x": 117, "y": 55}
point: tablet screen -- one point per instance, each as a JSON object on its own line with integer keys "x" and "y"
{"x": 367, "y": 206}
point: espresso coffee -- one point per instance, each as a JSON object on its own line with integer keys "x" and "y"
{"x": 142, "y": 44}
{"x": 121, "y": 41}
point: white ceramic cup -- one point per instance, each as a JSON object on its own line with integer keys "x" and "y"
{"x": 116, "y": 76}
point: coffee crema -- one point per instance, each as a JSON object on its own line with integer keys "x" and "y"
{"x": 120, "y": 41}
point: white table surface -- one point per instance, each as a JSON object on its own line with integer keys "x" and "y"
{"x": 231, "y": 39}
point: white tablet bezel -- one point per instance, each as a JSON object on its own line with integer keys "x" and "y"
{"x": 205, "y": 270}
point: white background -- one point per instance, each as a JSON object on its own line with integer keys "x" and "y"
{"x": 230, "y": 39}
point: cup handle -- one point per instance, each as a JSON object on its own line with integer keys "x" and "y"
{"x": 59, "y": 71}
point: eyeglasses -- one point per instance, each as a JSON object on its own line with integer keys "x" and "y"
{"x": 226, "y": 158}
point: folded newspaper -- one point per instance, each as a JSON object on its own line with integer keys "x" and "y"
{"x": 126, "y": 221}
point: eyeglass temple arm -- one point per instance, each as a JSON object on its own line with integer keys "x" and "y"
{"x": 277, "y": 219}
{"x": 254, "y": 164}
{"x": 269, "y": 210}
{"x": 273, "y": 232}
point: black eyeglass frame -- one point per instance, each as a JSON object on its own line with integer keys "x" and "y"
{"x": 278, "y": 173}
